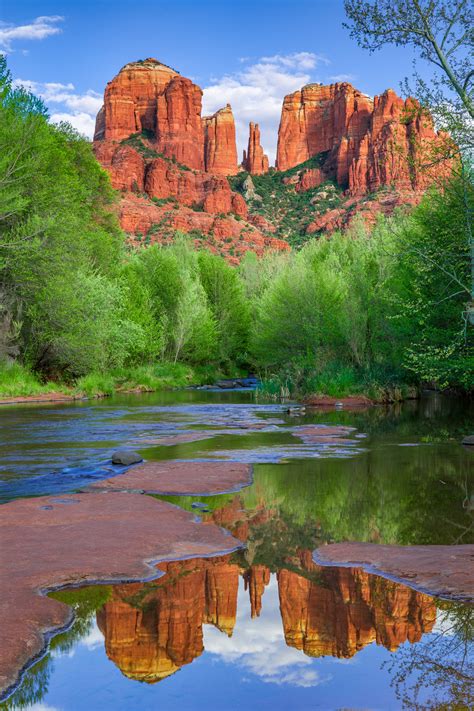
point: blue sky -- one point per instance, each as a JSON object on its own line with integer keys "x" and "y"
{"x": 246, "y": 52}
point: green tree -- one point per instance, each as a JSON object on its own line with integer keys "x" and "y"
{"x": 229, "y": 305}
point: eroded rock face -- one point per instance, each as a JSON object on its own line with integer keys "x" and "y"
{"x": 349, "y": 609}
{"x": 366, "y": 144}
{"x": 151, "y": 138}
{"x": 255, "y": 161}
{"x": 220, "y": 148}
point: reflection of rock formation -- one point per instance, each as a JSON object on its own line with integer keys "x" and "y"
{"x": 152, "y": 630}
{"x": 348, "y": 609}
{"x": 256, "y": 579}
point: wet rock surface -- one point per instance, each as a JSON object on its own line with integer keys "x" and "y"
{"x": 51, "y": 542}
{"x": 446, "y": 571}
{"x": 181, "y": 478}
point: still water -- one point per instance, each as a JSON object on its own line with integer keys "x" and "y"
{"x": 264, "y": 628}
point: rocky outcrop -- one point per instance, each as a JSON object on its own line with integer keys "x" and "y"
{"x": 130, "y": 100}
{"x": 155, "y": 101}
{"x": 220, "y": 148}
{"x": 255, "y": 161}
{"x": 170, "y": 163}
{"x": 363, "y": 144}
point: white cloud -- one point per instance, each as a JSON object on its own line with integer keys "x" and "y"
{"x": 79, "y": 110}
{"x": 342, "y": 77}
{"x": 297, "y": 60}
{"x": 256, "y": 93}
{"x": 38, "y": 29}
{"x": 84, "y": 123}
{"x": 258, "y": 645}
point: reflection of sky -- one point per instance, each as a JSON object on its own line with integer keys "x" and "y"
{"x": 253, "y": 669}
{"x": 258, "y": 646}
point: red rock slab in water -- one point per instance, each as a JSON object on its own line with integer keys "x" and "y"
{"x": 50, "y": 542}
{"x": 181, "y": 478}
{"x": 446, "y": 571}
{"x": 324, "y": 434}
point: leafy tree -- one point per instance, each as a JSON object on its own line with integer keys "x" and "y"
{"x": 225, "y": 293}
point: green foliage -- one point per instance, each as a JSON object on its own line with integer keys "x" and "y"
{"x": 430, "y": 286}
{"x": 229, "y": 306}
{"x": 17, "y": 381}
{"x": 278, "y": 201}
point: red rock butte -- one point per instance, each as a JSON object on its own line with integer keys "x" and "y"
{"x": 366, "y": 143}
{"x": 171, "y": 164}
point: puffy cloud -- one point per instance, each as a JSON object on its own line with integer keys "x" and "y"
{"x": 38, "y": 29}
{"x": 256, "y": 92}
{"x": 82, "y": 122}
{"x": 79, "y": 109}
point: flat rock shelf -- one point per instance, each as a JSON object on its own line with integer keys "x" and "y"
{"x": 180, "y": 478}
{"x": 83, "y": 539}
{"x": 445, "y": 571}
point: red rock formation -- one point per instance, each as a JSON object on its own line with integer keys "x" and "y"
{"x": 130, "y": 100}
{"x": 151, "y": 633}
{"x": 178, "y": 159}
{"x": 223, "y": 234}
{"x": 255, "y": 161}
{"x": 348, "y": 609}
{"x": 220, "y": 150}
{"x": 152, "y": 99}
{"x": 365, "y": 144}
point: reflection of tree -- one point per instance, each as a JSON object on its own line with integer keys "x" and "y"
{"x": 441, "y": 667}
{"x": 34, "y": 684}
{"x": 33, "y": 687}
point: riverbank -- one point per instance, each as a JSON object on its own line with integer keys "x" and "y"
{"x": 19, "y": 385}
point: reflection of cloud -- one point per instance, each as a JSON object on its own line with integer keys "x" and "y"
{"x": 93, "y": 639}
{"x": 78, "y": 109}
{"x": 256, "y": 92}
{"x": 258, "y": 646}
{"x": 40, "y": 706}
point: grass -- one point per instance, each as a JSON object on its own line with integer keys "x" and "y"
{"x": 17, "y": 381}
{"x": 147, "y": 378}
{"x": 338, "y": 381}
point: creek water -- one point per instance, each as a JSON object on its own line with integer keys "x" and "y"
{"x": 264, "y": 628}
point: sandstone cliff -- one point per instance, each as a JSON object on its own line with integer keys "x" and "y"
{"x": 363, "y": 143}
{"x": 170, "y": 163}
{"x": 175, "y": 168}
{"x": 220, "y": 148}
